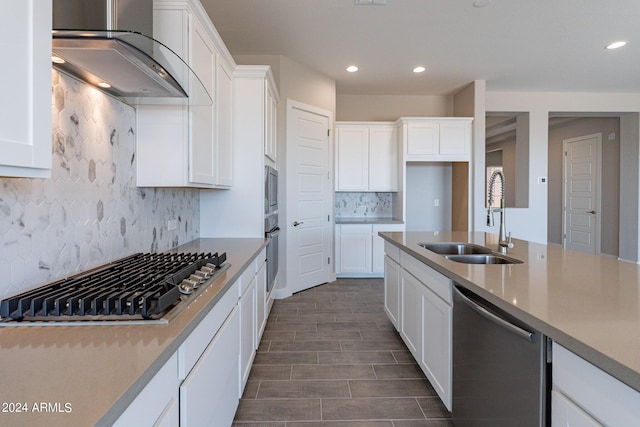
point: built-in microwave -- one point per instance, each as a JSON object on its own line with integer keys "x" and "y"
{"x": 270, "y": 190}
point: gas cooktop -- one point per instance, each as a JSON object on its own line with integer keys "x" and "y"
{"x": 142, "y": 288}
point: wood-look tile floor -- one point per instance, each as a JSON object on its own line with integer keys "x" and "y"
{"x": 330, "y": 357}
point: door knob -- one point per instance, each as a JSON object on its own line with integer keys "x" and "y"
{"x": 591, "y": 212}
{"x": 296, "y": 223}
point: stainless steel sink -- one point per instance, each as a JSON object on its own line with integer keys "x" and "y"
{"x": 483, "y": 259}
{"x": 455, "y": 248}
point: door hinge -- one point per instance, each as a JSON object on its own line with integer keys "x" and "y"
{"x": 329, "y": 260}
{"x": 328, "y": 218}
{"x": 328, "y": 132}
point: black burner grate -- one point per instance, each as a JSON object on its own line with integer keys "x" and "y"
{"x": 143, "y": 286}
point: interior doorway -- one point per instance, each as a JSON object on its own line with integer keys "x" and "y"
{"x": 582, "y": 171}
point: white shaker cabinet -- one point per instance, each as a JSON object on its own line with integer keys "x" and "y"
{"x": 270, "y": 121}
{"x": 209, "y": 394}
{"x": 25, "y": 107}
{"x": 360, "y": 250}
{"x": 585, "y": 396}
{"x": 189, "y": 145}
{"x": 423, "y": 315}
{"x": 157, "y": 404}
{"x": 366, "y": 156}
{"x": 436, "y": 138}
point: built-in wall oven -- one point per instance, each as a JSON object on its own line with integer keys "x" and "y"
{"x": 271, "y": 228}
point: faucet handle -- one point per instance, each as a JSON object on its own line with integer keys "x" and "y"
{"x": 509, "y": 242}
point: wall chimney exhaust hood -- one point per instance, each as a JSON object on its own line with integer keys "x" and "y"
{"x": 107, "y": 44}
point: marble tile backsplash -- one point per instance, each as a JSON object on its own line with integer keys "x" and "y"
{"x": 370, "y": 205}
{"x": 90, "y": 211}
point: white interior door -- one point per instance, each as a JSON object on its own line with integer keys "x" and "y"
{"x": 309, "y": 197}
{"x": 582, "y": 170}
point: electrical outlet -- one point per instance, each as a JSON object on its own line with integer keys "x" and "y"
{"x": 172, "y": 224}
{"x": 542, "y": 180}
{"x": 436, "y": 202}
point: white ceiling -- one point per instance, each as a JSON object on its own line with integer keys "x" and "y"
{"x": 515, "y": 45}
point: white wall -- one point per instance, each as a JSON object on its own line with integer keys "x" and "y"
{"x": 391, "y": 107}
{"x": 425, "y": 183}
{"x": 531, "y": 223}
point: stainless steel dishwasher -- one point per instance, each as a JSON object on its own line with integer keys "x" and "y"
{"x": 500, "y": 369}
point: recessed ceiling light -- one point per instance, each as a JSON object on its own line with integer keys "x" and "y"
{"x": 419, "y": 69}
{"x": 481, "y": 3}
{"x": 615, "y": 45}
{"x": 104, "y": 85}
{"x": 57, "y": 59}
{"x": 352, "y": 68}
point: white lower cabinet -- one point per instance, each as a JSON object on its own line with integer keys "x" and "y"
{"x": 157, "y": 403}
{"x": 209, "y": 394}
{"x": 392, "y": 290}
{"x": 423, "y": 315}
{"x": 411, "y": 314}
{"x": 584, "y": 395}
{"x": 359, "y": 249}
{"x": 247, "y": 313}
{"x": 261, "y": 298}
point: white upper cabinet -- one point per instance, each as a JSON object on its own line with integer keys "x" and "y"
{"x": 25, "y": 107}
{"x": 436, "y": 139}
{"x": 366, "y": 156}
{"x": 271, "y": 120}
{"x": 189, "y": 145}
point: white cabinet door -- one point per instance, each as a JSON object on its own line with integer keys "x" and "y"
{"x": 209, "y": 395}
{"x": 435, "y": 139}
{"x": 189, "y": 145}
{"x": 392, "y": 290}
{"x": 411, "y": 314}
{"x": 377, "y": 261}
{"x": 202, "y": 58}
{"x": 423, "y": 138}
{"x": 247, "y": 313}
{"x": 223, "y": 159}
{"x": 565, "y": 413}
{"x": 455, "y": 138}
{"x": 261, "y": 299}
{"x": 352, "y": 158}
{"x": 25, "y": 107}
{"x": 157, "y": 403}
{"x": 436, "y": 354}
{"x": 354, "y": 252}
{"x": 383, "y": 158}
{"x": 271, "y": 120}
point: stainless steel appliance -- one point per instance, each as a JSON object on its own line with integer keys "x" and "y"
{"x": 109, "y": 44}
{"x": 271, "y": 228}
{"x": 141, "y": 288}
{"x": 500, "y": 369}
{"x": 270, "y": 190}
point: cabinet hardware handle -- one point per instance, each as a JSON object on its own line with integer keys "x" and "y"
{"x": 296, "y": 223}
{"x": 591, "y": 212}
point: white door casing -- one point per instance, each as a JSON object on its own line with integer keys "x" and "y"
{"x": 309, "y": 196}
{"x": 582, "y": 173}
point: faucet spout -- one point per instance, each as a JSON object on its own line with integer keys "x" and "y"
{"x": 503, "y": 242}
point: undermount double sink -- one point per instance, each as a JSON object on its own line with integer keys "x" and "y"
{"x": 468, "y": 253}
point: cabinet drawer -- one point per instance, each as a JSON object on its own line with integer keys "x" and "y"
{"x": 356, "y": 229}
{"x": 190, "y": 351}
{"x": 392, "y": 251}
{"x": 438, "y": 283}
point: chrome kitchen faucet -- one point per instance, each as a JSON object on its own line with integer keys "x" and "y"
{"x": 504, "y": 242}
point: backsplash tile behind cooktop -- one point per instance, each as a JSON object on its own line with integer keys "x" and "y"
{"x": 90, "y": 210}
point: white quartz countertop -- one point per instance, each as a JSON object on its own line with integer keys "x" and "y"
{"x": 92, "y": 373}
{"x": 589, "y": 304}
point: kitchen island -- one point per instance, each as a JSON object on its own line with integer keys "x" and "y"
{"x": 587, "y": 304}
{"x": 89, "y": 375}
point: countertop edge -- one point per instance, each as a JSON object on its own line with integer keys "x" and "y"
{"x": 365, "y": 220}
{"x": 607, "y": 364}
{"x": 120, "y": 405}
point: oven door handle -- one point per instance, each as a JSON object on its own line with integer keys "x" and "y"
{"x": 274, "y": 232}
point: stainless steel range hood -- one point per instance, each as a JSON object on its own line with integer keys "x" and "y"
{"x": 107, "y": 43}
